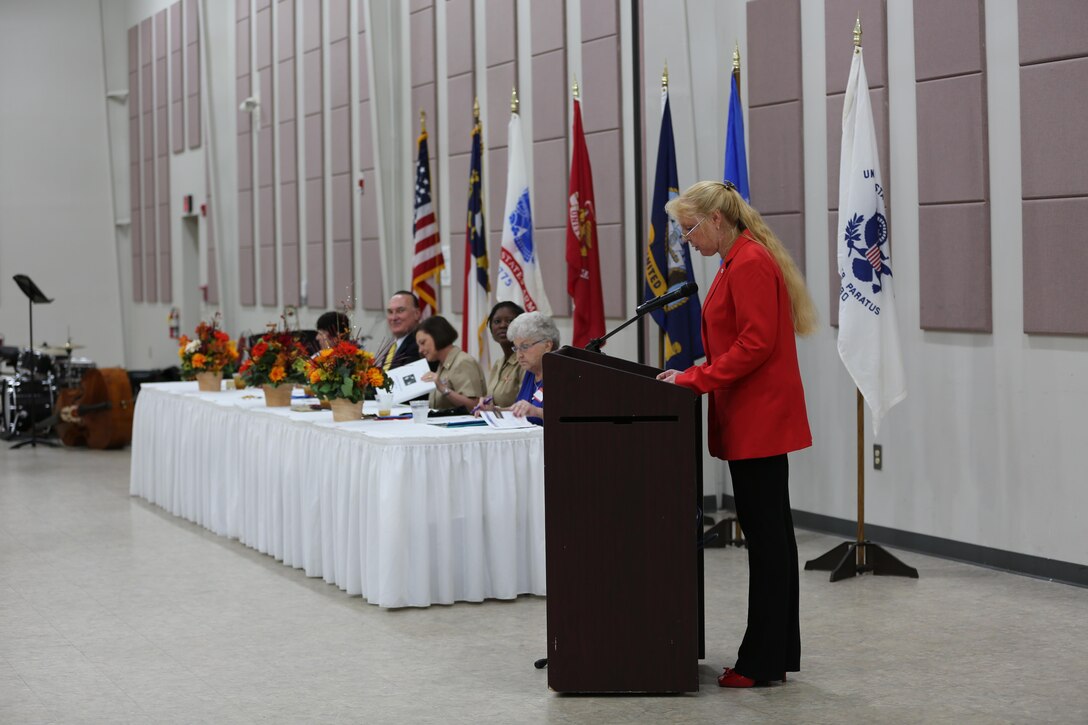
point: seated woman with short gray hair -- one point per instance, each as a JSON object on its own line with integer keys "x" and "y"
{"x": 534, "y": 334}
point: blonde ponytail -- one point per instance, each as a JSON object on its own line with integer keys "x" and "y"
{"x": 705, "y": 197}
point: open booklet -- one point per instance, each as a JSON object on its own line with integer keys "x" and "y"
{"x": 408, "y": 383}
{"x": 497, "y": 419}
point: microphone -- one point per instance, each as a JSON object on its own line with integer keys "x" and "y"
{"x": 673, "y": 294}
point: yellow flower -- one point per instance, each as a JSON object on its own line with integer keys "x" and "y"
{"x": 277, "y": 374}
{"x": 199, "y": 360}
{"x": 325, "y": 353}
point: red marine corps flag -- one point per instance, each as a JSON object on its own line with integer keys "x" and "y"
{"x": 583, "y": 262}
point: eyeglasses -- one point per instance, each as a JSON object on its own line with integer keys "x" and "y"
{"x": 685, "y": 232}
{"x": 524, "y": 347}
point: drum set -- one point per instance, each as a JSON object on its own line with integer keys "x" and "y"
{"x": 28, "y": 394}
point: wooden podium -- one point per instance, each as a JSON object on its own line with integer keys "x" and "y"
{"x": 623, "y": 487}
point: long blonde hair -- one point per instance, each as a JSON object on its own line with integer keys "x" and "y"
{"x": 703, "y": 198}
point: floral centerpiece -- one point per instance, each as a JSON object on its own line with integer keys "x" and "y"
{"x": 342, "y": 374}
{"x": 205, "y": 356}
{"x": 272, "y": 365}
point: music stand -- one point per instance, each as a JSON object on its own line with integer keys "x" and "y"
{"x": 34, "y": 296}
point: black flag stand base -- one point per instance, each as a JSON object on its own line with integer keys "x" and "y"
{"x": 851, "y": 558}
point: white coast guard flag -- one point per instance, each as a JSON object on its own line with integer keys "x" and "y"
{"x": 868, "y": 336}
{"x": 519, "y": 269}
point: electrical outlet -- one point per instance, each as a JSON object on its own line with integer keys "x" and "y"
{"x": 878, "y": 456}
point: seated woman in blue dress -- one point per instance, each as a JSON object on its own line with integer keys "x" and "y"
{"x": 534, "y": 334}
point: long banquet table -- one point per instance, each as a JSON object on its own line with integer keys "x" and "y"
{"x": 400, "y": 513}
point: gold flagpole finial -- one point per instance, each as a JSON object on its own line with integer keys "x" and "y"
{"x": 422, "y": 121}
{"x": 736, "y": 57}
{"x": 857, "y": 33}
{"x": 574, "y": 88}
{"x": 514, "y": 103}
{"x": 665, "y": 76}
{"x": 476, "y": 109}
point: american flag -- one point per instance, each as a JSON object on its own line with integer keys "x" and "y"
{"x": 428, "y": 261}
{"x": 873, "y": 255}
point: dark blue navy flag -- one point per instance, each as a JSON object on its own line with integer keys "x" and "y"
{"x": 668, "y": 261}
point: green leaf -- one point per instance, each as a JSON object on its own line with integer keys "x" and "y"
{"x": 347, "y": 387}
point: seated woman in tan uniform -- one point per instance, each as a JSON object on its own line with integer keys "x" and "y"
{"x": 459, "y": 381}
{"x": 504, "y": 380}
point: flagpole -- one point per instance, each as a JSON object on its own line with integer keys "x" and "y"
{"x": 736, "y": 64}
{"x": 851, "y": 558}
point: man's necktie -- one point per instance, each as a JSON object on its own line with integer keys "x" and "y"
{"x": 389, "y": 355}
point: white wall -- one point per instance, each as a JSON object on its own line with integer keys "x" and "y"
{"x": 56, "y": 220}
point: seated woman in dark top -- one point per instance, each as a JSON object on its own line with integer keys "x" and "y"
{"x": 534, "y": 334}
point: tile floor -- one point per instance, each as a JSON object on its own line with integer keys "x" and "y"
{"x": 112, "y": 611}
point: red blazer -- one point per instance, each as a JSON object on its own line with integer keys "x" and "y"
{"x": 757, "y": 403}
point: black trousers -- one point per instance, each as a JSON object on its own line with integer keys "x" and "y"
{"x": 772, "y": 642}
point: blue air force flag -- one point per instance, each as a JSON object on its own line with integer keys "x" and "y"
{"x": 868, "y": 335}
{"x": 519, "y": 269}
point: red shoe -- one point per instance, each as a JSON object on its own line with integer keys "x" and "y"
{"x": 732, "y": 678}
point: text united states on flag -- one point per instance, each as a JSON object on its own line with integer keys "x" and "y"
{"x": 427, "y": 263}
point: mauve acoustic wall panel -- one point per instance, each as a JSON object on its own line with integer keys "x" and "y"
{"x": 162, "y": 160}
{"x": 147, "y": 77}
{"x": 1055, "y": 257}
{"x": 177, "y": 87}
{"x": 953, "y": 170}
{"x": 192, "y": 72}
{"x": 776, "y": 148}
{"x": 1052, "y": 30}
{"x": 372, "y": 293}
{"x": 247, "y": 282}
{"x": 134, "y": 161}
{"x": 460, "y": 92}
{"x": 1054, "y": 159}
{"x": 548, "y": 146}
{"x": 286, "y": 100}
{"x": 839, "y": 19}
{"x": 954, "y": 268}
{"x": 266, "y": 159}
{"x": 338, "y": 21}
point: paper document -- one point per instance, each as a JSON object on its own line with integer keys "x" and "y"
{"x": 408, "y": 381}
{"x": 495, "y": 419}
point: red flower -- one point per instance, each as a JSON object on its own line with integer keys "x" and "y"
{"x": 346, "y": 349}
{"x": 246, "y": 366}
{"x": 259, "y": 349}
{"x": 221, "y": 336}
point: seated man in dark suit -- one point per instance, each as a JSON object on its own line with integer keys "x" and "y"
{"x": 402, "y": 314}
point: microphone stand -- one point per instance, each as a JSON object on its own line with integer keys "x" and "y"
{"x": 594, "y": 345}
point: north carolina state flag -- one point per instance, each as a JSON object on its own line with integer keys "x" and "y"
{"x": 583, "y": 263}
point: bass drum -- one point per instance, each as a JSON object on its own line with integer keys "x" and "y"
{"x": 23, "y": 400}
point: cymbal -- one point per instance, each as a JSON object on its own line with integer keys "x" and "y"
{"x": 65, "y": 349}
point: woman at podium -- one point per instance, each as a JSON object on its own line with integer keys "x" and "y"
{"x": 756, "y": 414}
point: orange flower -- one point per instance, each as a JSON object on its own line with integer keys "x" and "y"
{"x": 199, "y": 360}
{"x": 375, "y": 377}
{"x": 277, "y": 374}
{"x": 315, "y": 376}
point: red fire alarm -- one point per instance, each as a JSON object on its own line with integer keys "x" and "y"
{"x": 362, "y": 185}
{"x": 203, "y": 210}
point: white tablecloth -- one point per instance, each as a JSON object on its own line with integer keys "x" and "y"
{"x": 400, "y": 513}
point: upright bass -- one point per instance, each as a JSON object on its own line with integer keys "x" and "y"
{"x": 97, "y": 414}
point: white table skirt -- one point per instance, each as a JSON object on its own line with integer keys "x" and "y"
{"x": 400, "y": 513}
